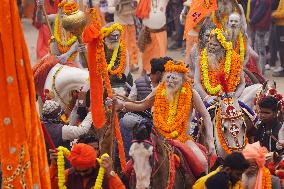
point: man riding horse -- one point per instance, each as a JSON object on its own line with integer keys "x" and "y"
{"x": 216, "y": 60}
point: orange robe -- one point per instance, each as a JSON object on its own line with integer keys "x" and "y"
{"x": 129, "y": 36}
{"x": 22, "y": 147}
{"x": 113, "y": 182}
{"x": 155, "y": 49}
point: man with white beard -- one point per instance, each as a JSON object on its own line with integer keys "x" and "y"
{"x": 236, "y": 27}
{"x": 218, "y": 57}
{"x": 173, "y": 101}
{"x": 257, "y": 175}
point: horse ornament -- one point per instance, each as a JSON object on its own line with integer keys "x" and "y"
{"x": 232, "y": 120}
{"x": 159, "y": 163}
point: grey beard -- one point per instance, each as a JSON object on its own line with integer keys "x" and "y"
{"x": 171, "y": 93}
{"x": 214, "y": 59}
{"x": 248, "y": 181}
{"x": 233, "y": 33}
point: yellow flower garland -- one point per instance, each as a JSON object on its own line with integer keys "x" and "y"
{"x": 173, "y": 109}
{"x": 204, "y": 60}
{"x": 204, "y": 68}
{"x": 100, "y": 177}
{"x": 113, "y": 58}
{"x": 242, "y": 47}
{"x": 62, "y": 151}
{"x": 57, "y": 34}
{"x": 106, "y": 31}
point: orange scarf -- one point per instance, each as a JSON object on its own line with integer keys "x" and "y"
{"x": 143, "y": 9}
{"x": 256, "y": 152}
{"x": 99, "y": 76}
{"x": 22, "y": 146}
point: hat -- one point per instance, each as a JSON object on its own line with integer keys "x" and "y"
{"x": 83, "y": 156}
{"x": 51, "y": 109}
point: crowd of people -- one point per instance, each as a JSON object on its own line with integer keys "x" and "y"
{"x": 210, "y": 121}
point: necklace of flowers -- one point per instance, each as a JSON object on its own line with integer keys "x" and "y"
{"x": 220, "y": 135}
{"x": 100, "y": 68}
{"x": 204, "y": 62}
{"x": 266, "y": 179}
{"x": 64, "y": 152}
{"x": 171, "y": 119}
{"x": 57, "y": 35}
{"x": 242, "y": 47}
{"x": 122, "y": 60}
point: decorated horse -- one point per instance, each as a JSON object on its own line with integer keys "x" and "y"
{"x": 232, "y": 121}
{"x": 159, "y": 163}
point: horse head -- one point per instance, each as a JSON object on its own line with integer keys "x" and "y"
{"x": 230, "y": 124}
{"x": 141, "y": 152}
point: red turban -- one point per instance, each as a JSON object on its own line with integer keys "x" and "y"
{"x": 83, "y": 156}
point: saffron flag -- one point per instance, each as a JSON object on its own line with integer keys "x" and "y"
{"x": 199, "y": 9}
{"x": 22, "y": 147}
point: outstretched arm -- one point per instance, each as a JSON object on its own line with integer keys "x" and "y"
{"x": 200, "y": 108}
{"x": 72, "y": 132}
{"x": 143, "y": 105}
{"x": 241, "y": 86}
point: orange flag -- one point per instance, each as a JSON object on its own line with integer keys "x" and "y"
{"x": 199, "y": 9}
{"x": 22, "y": 147}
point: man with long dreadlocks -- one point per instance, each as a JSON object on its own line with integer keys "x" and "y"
{"x": 218, "y": 57}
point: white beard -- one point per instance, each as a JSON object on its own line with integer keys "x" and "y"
{"x": 213, "y": 61}
{"x": 233, "y": 33}
{"x": 170, "y": 94}
{"x": 248, "y": 181}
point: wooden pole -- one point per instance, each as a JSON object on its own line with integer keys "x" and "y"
{"x": 47, "y": 21}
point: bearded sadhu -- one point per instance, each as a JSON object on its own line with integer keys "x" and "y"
{"x": 236, "y": 29}
{"x": 216, "y": 59}
{"x": 173, "y": 101}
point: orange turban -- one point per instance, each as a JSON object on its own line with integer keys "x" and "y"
{"x": 83, "y": 156}
{"x": 256, "y": 152}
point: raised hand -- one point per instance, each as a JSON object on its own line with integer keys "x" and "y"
{"x": 40, "y": 3}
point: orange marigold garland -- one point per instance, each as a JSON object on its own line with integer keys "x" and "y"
{"x": 220, "y": 135}
{"x": 177, "y": 127}
{"x": 179, "y": 67}
{"x": 266, "y": 179}
{"x": 233, "y": 78}
{"x": 240, "y": 46}
{"x": 99, "y": 76}
{"x": 70, "y": 8}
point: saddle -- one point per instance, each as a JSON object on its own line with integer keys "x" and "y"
{"x": 191, "y": 171}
